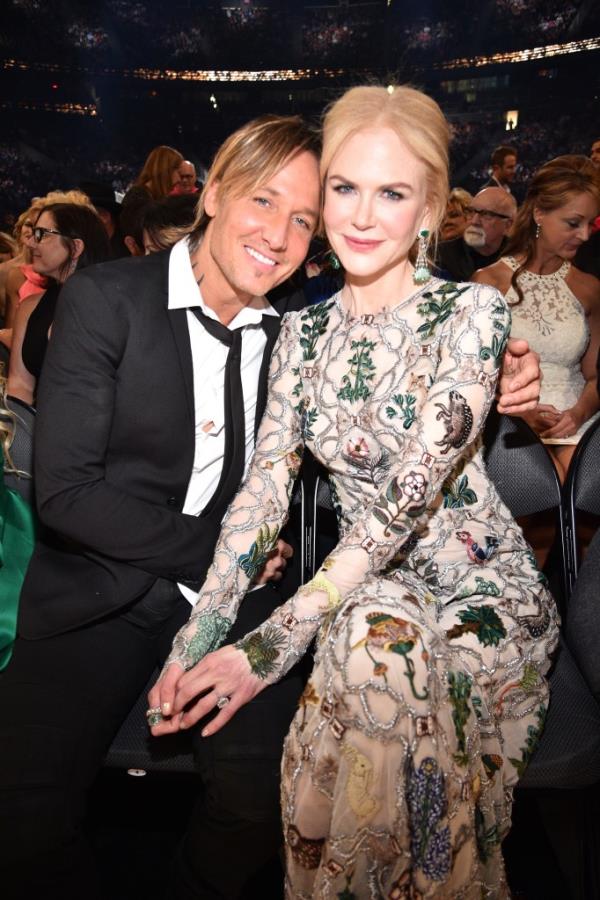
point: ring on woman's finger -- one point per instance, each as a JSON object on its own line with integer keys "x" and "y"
{"x": 223, "y": 701}
{"x": 154, "y": 716}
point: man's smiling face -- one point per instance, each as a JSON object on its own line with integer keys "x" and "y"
{"x": 254, "y": 242}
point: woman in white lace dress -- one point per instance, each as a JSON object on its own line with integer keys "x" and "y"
{"x": 554, "y": 306}
{"x": 433, "y": 625}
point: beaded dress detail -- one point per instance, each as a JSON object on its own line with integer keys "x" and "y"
{"x": 433, "y": 624}
{"x": 551, "y": 319}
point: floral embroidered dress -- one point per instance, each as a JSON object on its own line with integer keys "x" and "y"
{"x": 434, "y": 627}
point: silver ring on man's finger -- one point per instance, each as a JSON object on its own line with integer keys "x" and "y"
{"x": 223, "y": 701}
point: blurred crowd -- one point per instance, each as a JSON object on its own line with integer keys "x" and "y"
{"x": 125, "y": 31}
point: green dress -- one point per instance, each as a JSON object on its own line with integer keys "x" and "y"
{"x": 17, "y": 537}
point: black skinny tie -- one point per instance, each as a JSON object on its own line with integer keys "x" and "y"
{"x": 234, "y": 457}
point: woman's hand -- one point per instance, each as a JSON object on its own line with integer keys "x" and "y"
{"x": 568, "y": 423}
{"x": 543, "y": 417}
{"x": 222, "y": 679}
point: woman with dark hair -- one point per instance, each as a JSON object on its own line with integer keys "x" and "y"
{"x": 65, "y": 237}
{"x": 554, "y": 306}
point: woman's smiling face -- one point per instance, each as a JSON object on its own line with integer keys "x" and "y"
{"x": 375, "y": 202}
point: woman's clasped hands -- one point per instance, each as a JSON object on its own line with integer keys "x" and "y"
{"x": 222, "y": 680}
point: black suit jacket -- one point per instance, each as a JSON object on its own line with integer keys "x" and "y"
{"x": 114, "y": 449}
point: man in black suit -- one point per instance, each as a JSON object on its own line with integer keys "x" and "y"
{"x": 137, "y": 456}
{"x": 504, "y": 168}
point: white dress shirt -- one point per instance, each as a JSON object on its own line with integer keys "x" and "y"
{"x": 209, "y": 356}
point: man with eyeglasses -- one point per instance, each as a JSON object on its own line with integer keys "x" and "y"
{"x": 490, "y": 219}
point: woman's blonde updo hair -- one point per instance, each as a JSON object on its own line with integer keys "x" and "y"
{"x": 417, "y": 120}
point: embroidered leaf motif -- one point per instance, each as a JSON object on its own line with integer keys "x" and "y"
{"x": 438, "y": 310}
{"x": 482, "y": 621}
{"x": 262, "y": 649}
{"x": 457, "y": 493}
{"x": 406, "y": 403}
{"x": 362, "y": 370}
{"x": 459, "y": 692}
{"x": 487, "y": 837}
{"x": 211, "y": 630}
{"x": 534, "y": 733}
{"x": 315, "y": 320}
{"x": 307, "y": 420}
{"x": 498, "y": 340}
{"x": 253, "y": 561}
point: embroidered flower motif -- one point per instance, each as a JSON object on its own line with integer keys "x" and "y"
{"x": 357, "y": 449}
{"x": 430, "y": 842}
{"x": 414, "y": 486}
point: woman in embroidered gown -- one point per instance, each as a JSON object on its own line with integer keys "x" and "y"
{"x": 554, "y": 306}
{"x": 433, "y": 625}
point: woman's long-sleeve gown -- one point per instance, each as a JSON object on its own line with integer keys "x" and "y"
{"x": 433, "y": 624}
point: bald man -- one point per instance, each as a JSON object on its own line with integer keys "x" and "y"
{"x": 490, "y": 218}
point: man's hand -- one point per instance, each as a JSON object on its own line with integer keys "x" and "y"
{"x": 222, "y": 680}
{"x": 520, "y": 379}
{"x": 275, "y": 565}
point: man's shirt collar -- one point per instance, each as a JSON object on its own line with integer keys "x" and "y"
{"x": 185, "y": 293}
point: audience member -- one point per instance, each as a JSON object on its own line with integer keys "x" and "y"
{"x": 595, "y": 153}
{"x": 489, "y": 221}
{"x": 103, "y": 198}
{"x": 165, "y": 221}
{"x": 131, "y": 223}
{"x": 187, "y": 179}
{"x": 65, "y": 237}
{"x": 8, "y": 248}
{"x": 159, "y": 175}
{"x": 456, "y": 219}
{"x": 504, "y": 167}
{"x": 22, "y": 280}
{"x": 556, "y": 307}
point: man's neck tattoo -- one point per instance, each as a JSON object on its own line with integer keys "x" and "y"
{"x": 198, "y": 280}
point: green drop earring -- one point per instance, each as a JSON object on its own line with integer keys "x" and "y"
{"x": 422, "y": 272}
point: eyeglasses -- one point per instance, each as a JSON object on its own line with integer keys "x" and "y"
{"x": 38, "y": 233}
{"x": 488, "y": 215}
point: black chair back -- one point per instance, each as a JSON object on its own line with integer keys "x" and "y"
{"x": 525, "y": 476}
{"x": 581, "y": 492}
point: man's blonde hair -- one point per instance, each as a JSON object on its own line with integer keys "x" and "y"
{"x": 252, "y": 155}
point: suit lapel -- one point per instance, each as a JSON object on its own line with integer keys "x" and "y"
{"x": 181, "y": 333}
{"x": 179, "y": 326}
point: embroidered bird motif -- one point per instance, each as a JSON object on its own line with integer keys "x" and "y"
{"x": 475, "y": 551}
